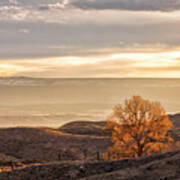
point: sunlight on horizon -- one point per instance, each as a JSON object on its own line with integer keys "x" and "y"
{"x": 160, "y": 64}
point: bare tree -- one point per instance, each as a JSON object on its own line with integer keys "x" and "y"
{"x": 139, "y": 128}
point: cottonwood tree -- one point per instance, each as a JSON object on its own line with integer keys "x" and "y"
{"x": 139, "y": 128}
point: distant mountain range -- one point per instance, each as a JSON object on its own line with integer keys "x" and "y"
{"x": 31, "y": 81}
{"x": 24, "y": 81}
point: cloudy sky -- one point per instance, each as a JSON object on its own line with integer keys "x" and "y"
{"x": 90, "y": 38}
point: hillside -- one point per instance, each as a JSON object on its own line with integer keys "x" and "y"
{"x": 73, "y": 141}
{"x": 63, "y": 150}
{"x": 96, "y": 128}
{"x": 175, "y": 119}
{"x": 163, "y": 166}
{"x": 45, "y": 144}
{"x": 85, "y": 128}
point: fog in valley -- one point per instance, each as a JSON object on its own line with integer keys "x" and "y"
{"x": 53, "y": 102}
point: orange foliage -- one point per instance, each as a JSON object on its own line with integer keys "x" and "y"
{"x": 139, "y": 128}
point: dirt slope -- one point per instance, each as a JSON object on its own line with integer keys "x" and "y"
{"x": 73, "y": 141}
{"x": 163, "y": 166}
{"x": 43, "y": 145}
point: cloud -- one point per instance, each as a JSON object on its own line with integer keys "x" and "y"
{"x": 37, "y": 29}
{"x": 131, "y": 5}
{"x": 67, "y": 12}
{"x": 127, "y": 5}
{"x": 13, "y": 2}
{"x": 159, "y": 69}
{"x": 24, "y": 31}
{"x": 51, "y": 39}
{"x": 55, "y": 68}
{"x": 55, "y": 6}
{"x": 117, "y": 65}
{"x": 11, "y": 12}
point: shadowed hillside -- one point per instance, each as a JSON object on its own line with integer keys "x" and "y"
{"x": 43, "y": 144}
{"x": 85, "y": 128}
{"x": 72, "y": 141}
{"x": 175, "y": 119}
{"x": 163, "y": 166}
{"x": 63, "y": 150}
{"x": 5, "y": 160}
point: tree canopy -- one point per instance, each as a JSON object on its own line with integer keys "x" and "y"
{"x": 139, "y": 128}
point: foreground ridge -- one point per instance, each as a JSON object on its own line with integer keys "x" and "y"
{"x": 160, "y": 166}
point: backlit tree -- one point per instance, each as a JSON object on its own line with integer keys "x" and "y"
{"x": 139, "y": 128}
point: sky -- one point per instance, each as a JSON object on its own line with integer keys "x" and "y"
{"x": 90, "y": 38}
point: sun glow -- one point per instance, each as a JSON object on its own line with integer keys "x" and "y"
{"x": 130, "y": 61}
{"x": 13, "y": 69}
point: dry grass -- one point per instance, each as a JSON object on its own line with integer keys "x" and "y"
{"x": 38, "y": 149}
{"x": 164, "y": 166}
{"x": 45, "y": 144}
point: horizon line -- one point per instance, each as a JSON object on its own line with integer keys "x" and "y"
{"x": 31, "y": 77}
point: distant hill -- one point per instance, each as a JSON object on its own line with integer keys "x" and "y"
{"x": 175, "y": 119}
{"x": 96, "y": 128}
{"x": 23, "y": 81}
{"x": 85, "y": 128}
{"x": 162, "y": 166}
